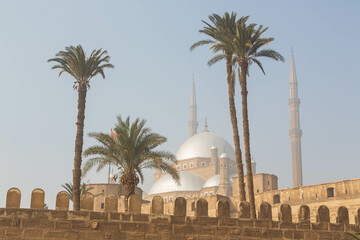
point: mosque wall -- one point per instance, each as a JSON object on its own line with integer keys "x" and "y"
{"x": 263, "y": 182}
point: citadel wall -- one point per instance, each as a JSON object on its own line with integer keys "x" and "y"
{"x": 37, "y": 223}
{"x": 334, "y": 194}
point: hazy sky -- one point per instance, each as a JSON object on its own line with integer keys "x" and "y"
{"x": 148, "y": 42}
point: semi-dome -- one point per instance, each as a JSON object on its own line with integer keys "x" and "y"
{"x": 200, "y": 144}
{"x": 214, "y": 181}
{"x": 188, "y": 182}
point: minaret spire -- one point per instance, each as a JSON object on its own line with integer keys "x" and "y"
{"x": 193, "y": 124}
{"x": 295, "y": 131}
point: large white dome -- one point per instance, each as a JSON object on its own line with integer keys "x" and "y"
{"x": 188, "y": 182}
{"x": 200, "y": 144}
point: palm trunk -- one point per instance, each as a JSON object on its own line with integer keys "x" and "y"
{"x": 79, "y": 145}
{"x": 250, "y": 184}
{"x": 239, "y": 164}
{"x": 129, "y": 189}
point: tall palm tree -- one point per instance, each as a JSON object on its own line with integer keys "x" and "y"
{"x": 69, "y": 189}
{"x": 131, "y": 150}
{"x": 221, "y": 33}
{"x": 82, "y": 68}
{"x": 247, "y": 42}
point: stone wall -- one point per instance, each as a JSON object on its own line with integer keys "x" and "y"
{"x": 334, "y": 194}
{"x": 37, "y": 223}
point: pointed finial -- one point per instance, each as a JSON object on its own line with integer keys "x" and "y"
{"x": 206, "y": 125}
{"x": 292, "y": 51}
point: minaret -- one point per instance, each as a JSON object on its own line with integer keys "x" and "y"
{"x": 295, "y": 131}
{"x": 224, "y": 176}
{"x": 193, "y": 124}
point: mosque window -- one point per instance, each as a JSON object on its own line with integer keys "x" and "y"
{"x": 268, "y": 182}
{"x": 178, "y": 167}
{"x": 103, "y": 190}
{"x": 191, "y": 165}
{"x": 193, "y": 206}
{"x": 205, "y": 194}
{"x": 165, "y": 199}
{"x": 203, "y": 164}
{"x": 345, "y": 191}
{"x": 102, "y": 205}
{"x": 170, "y": 199}
{"x": 257, "y": 190}
{"x": 184, "y": 166}
{"x": 211, "y": 193}
{"x": 330, "y": 192}
{"x": 276, "y": 199}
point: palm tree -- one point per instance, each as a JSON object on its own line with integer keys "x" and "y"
{"x": 131, "y": 151}
{"x": 69, "y": 189}
{"x": 247, "y": 43}
{"x": 355, "y": 235}
{"x": 74, "y": 62}
{"x": 221, "y": 34}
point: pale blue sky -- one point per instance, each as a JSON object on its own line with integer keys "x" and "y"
{"x": 148, "y": 42}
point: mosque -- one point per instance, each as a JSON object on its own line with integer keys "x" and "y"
{"x": 206, "y": 163}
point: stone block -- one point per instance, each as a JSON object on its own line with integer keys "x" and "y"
{"x": 62, "y": 201}
{"x": 265, "y": 211}
{"x": 83, "y": 215}
{"x": 336, "y": 227}
{"x": 32, "y": 233}
{"x": 178, "y": 219}
{"x": 87, "y": 202}
{"x": 99, "y": 216}
{"x": 245, "y": 223}
{"x": 223, "y": 208}
{"x": 138, "y": 217}
{"x": 134, "y": 204}
{"x": 63, "y": 225}
{"x": 180, "y": 206}
{"x": 13, "y": 198}
{"x": 285, "y": 214}
{"x": 201, "y": 208}
{"x": 157, "y": 205}
{"x": 111, "y": 203}
{"x": 37, "y": 199}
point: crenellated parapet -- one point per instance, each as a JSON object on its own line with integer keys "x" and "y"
{"x": 38, "y": 223}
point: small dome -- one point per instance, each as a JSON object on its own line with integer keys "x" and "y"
{"x": 200, "y": 144}
{"x": 213, "y": 148}
{"x": 188, "y": 182}
{"x": 223, "y": 155}
{"x": 214, "y": 181}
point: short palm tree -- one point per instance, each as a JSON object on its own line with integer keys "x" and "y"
{"x": 131, "y": 150}
{"x": 69, "y": 189}
{"x": 82, "y": 68}
{"x": 247, "y": 43}
{"x": 221, "y": 33}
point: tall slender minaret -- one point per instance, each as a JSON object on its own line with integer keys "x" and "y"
{"x": 295, "y": 131}
{"x": 193, "y": 124}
